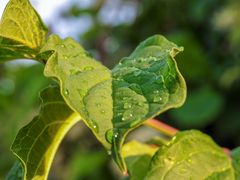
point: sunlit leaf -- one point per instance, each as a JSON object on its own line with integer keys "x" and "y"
{"x": 190, "y": 155}
{"x": 37, "y": 142}
{"x": 145, "y": 84}
{"x": 140, "y": 87}
{"x": 85, "y": 83}
{"x": 22, "y": 32}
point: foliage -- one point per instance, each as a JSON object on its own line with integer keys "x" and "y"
{"x": 110, "y": 102}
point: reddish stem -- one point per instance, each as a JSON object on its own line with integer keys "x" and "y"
{"x": 162, "y": 127}
{"x": 170, "y": 131}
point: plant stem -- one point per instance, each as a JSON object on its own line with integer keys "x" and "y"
{"x": 169, "y": 130}
{"x": 161, "y": 127}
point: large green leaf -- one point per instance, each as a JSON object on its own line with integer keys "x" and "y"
{"x": 236, "y": 162}
{"x": 138, "y": 156}
{"x": 22, "y": 32}
{"x": 145, "y": 84}
{"x": 37, "y": 142}
{"x": 85, "y": 83}
{"x": 190, "y": 155}
{"x": 140, "y": 87}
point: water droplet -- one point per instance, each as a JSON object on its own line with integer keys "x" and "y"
{"x": 62, "y": 46}
{"x": 109, "y": 136}
{"x": 115, "y": 135}
{"x": 127, "y": 115}
{"x": 65, "y": 57}
{"x": 127, "y": 105}
{"x": 93, "y": 125}
{"x": 169, "y": 160}
{"x": 189, "y": 160}
{"x": 66, "y": 92}
{"x": 75, "y": 71}
{"x": 109, "y": 152}
{"x": 82, "y": 92}
{"x": 88, "y": 68}
{"x": 157, "y": 99}
{"x": 102, "y": 111}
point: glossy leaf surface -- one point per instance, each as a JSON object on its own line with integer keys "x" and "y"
{"x": 145, "y": 84}
{"x": 37, "y": 142}
{"x": 140, "y": 87}
{"x": 85, "y": 83}
{"x": 22, "y": 32}
{"x": 190, "y": 155}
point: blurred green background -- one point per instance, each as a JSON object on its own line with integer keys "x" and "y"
{"x": 209, "y": 30}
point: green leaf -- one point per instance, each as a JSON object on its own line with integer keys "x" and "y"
{"x": 85, "y": 83}
{"x": 236, "y": 162}
{"x": 37, "y": 142}
{"x": 140, "y": 87}
{"x": 145, "y": 84}
{"x": 190, "y": 155}
{"x": 22, "y": 32}
{"x": 137, "y": 156}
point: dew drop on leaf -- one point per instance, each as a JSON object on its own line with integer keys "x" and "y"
{"x": 140, "y": 104}
{"x": 109, "y": 136}
{"x": 157, "y": 99}
{"x": 116, "y": 135}
{"x": 66, "y": 92}
{"x": 127, "y": 115}
{"x": 82, "y": 92}
{"x": 109, "y": 152}
{"x": 93, "y": 125}
{"x": 88, "y": 68}
{"x": 127, "y": 105}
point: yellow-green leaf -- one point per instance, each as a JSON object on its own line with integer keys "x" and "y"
{"x": 190, "y": 155}
{"x": 37, "y": 142}
{"x": 22, "y": 32}
{"x": 85, "y": 83}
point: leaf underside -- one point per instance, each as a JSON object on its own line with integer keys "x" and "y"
{"x": 190, "y": 155}
{"x": 37, "y": 142}
{"x": 22, "y": 31}
{"x": 114, "y": 102}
